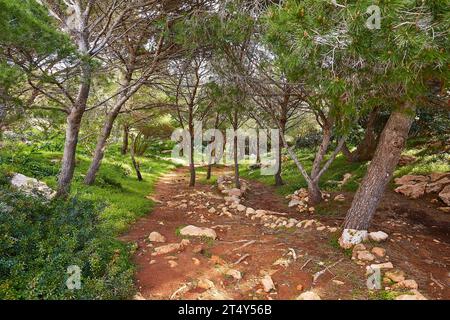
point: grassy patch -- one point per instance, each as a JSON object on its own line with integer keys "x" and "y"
{"x": 42, "y": 240}
{"x": 428, "y": 161}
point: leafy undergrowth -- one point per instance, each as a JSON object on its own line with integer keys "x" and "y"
{"x": 428, "y": 161}
{"x": 40, "y": 240}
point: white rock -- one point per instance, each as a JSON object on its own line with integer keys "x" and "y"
{"x": 294, "y": 202}
{"x": 193, "y": 231}
{"x": 267, "y": 283}
{"x": 241, "y": 208}
{"x": 236, "y": 274}
{"x": 308, "y": 295}
{"x": 32, "y": 187}
{"x": 378, "y": 236}
{"x": 351, "y": 237}
{"x": 212, "y": 210}
{"x": 250, "y": 211}
{"x": 156, "y": 237}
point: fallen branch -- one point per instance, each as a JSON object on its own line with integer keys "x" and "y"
{"x": 318, "y": 274}
{"x": 305, "y": 264}
{"x": 245, "y": 245}
{"x": 437, "y": 282}
{"x": 241, "y": 259}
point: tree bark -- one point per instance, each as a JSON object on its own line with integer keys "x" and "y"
{"x": 100, "y": 148}
{"x": 381, "y": 168}
{"x": 126, "y": 132}
{"x": 72, "y": 132}
{"x": 135, "y": 163}
{"x": 278, "y": 178}
{"x": 237, "y": 180}
{"x": 314, "y": 193}
{"x": 191, "y": 156}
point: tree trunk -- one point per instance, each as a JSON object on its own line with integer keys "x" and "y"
{"x": 258, "y": 153}
{"x": 237, "y": 180}
{"x": 69, "y": 156}
{"x": 135, "y": 163}
{"x": 208, "y": 172}
{"x": 314, "y": 193}
{"x": 192, "y": 156}
{"x": 100, "y": 148}
{"x": 278, "y": 179}
{"x": 380, "y": 171}
{"x": 74, "y": 120}
{"x": 126, "y": 133}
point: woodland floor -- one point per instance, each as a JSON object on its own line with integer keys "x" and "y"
{"x": 419, "y": 244}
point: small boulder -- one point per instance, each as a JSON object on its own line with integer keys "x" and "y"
{"x": 395, "y": 275}
{"x": 250, "y": 211}
{"x": 236, "y": 274}
{"x": 267, "y": 283}
{"x": 351, "y": 237}
{"x": 156, "y": 237}
{"x": 410, "y": 179}
{"x": 406, "y": 284}
{"x": 437, "y": 186}
{"x": 241, "y": 208}
{"x": 193, "y": 231}
{"x": 445, "y": 195}
{"x": 413, "y": 191}
{"x": 32, "y": 187}
{"x": 212, "y": 210}
{"x": 294, "y": 203}
{"x": 365, "y": 256}
{"x": 380, "y": 252}
{"x": 378, "y": 236}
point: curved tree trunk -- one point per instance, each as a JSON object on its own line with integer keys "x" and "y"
{"x": 380, "y": 171}
{"x": 72, "y": 132}
{"x": 100, "y": 148}
{"x": 135, "y": 163}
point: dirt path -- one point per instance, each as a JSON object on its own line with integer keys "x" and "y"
{"x": 206, "y": 269}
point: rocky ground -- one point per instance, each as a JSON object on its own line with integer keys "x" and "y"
{"x": 217, "y": 242}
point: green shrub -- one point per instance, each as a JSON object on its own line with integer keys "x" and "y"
{"x": 39, "y": 241}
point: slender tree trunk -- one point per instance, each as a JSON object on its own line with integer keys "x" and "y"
{"x": 125, "y": 138}
{"x": 72, "y": 132}
{"x": 69, "y": 156}
{"x": 192, "y": 156}
{"x": 100, "y": 148}
{"x": 237, "y": 180}
{"x": 258, "y": 152}
{"x": 323, "y": 148}
{"x": 134, "y": 162}
{"x": 278, "y": 179}
{"x": 380, "y": 171}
